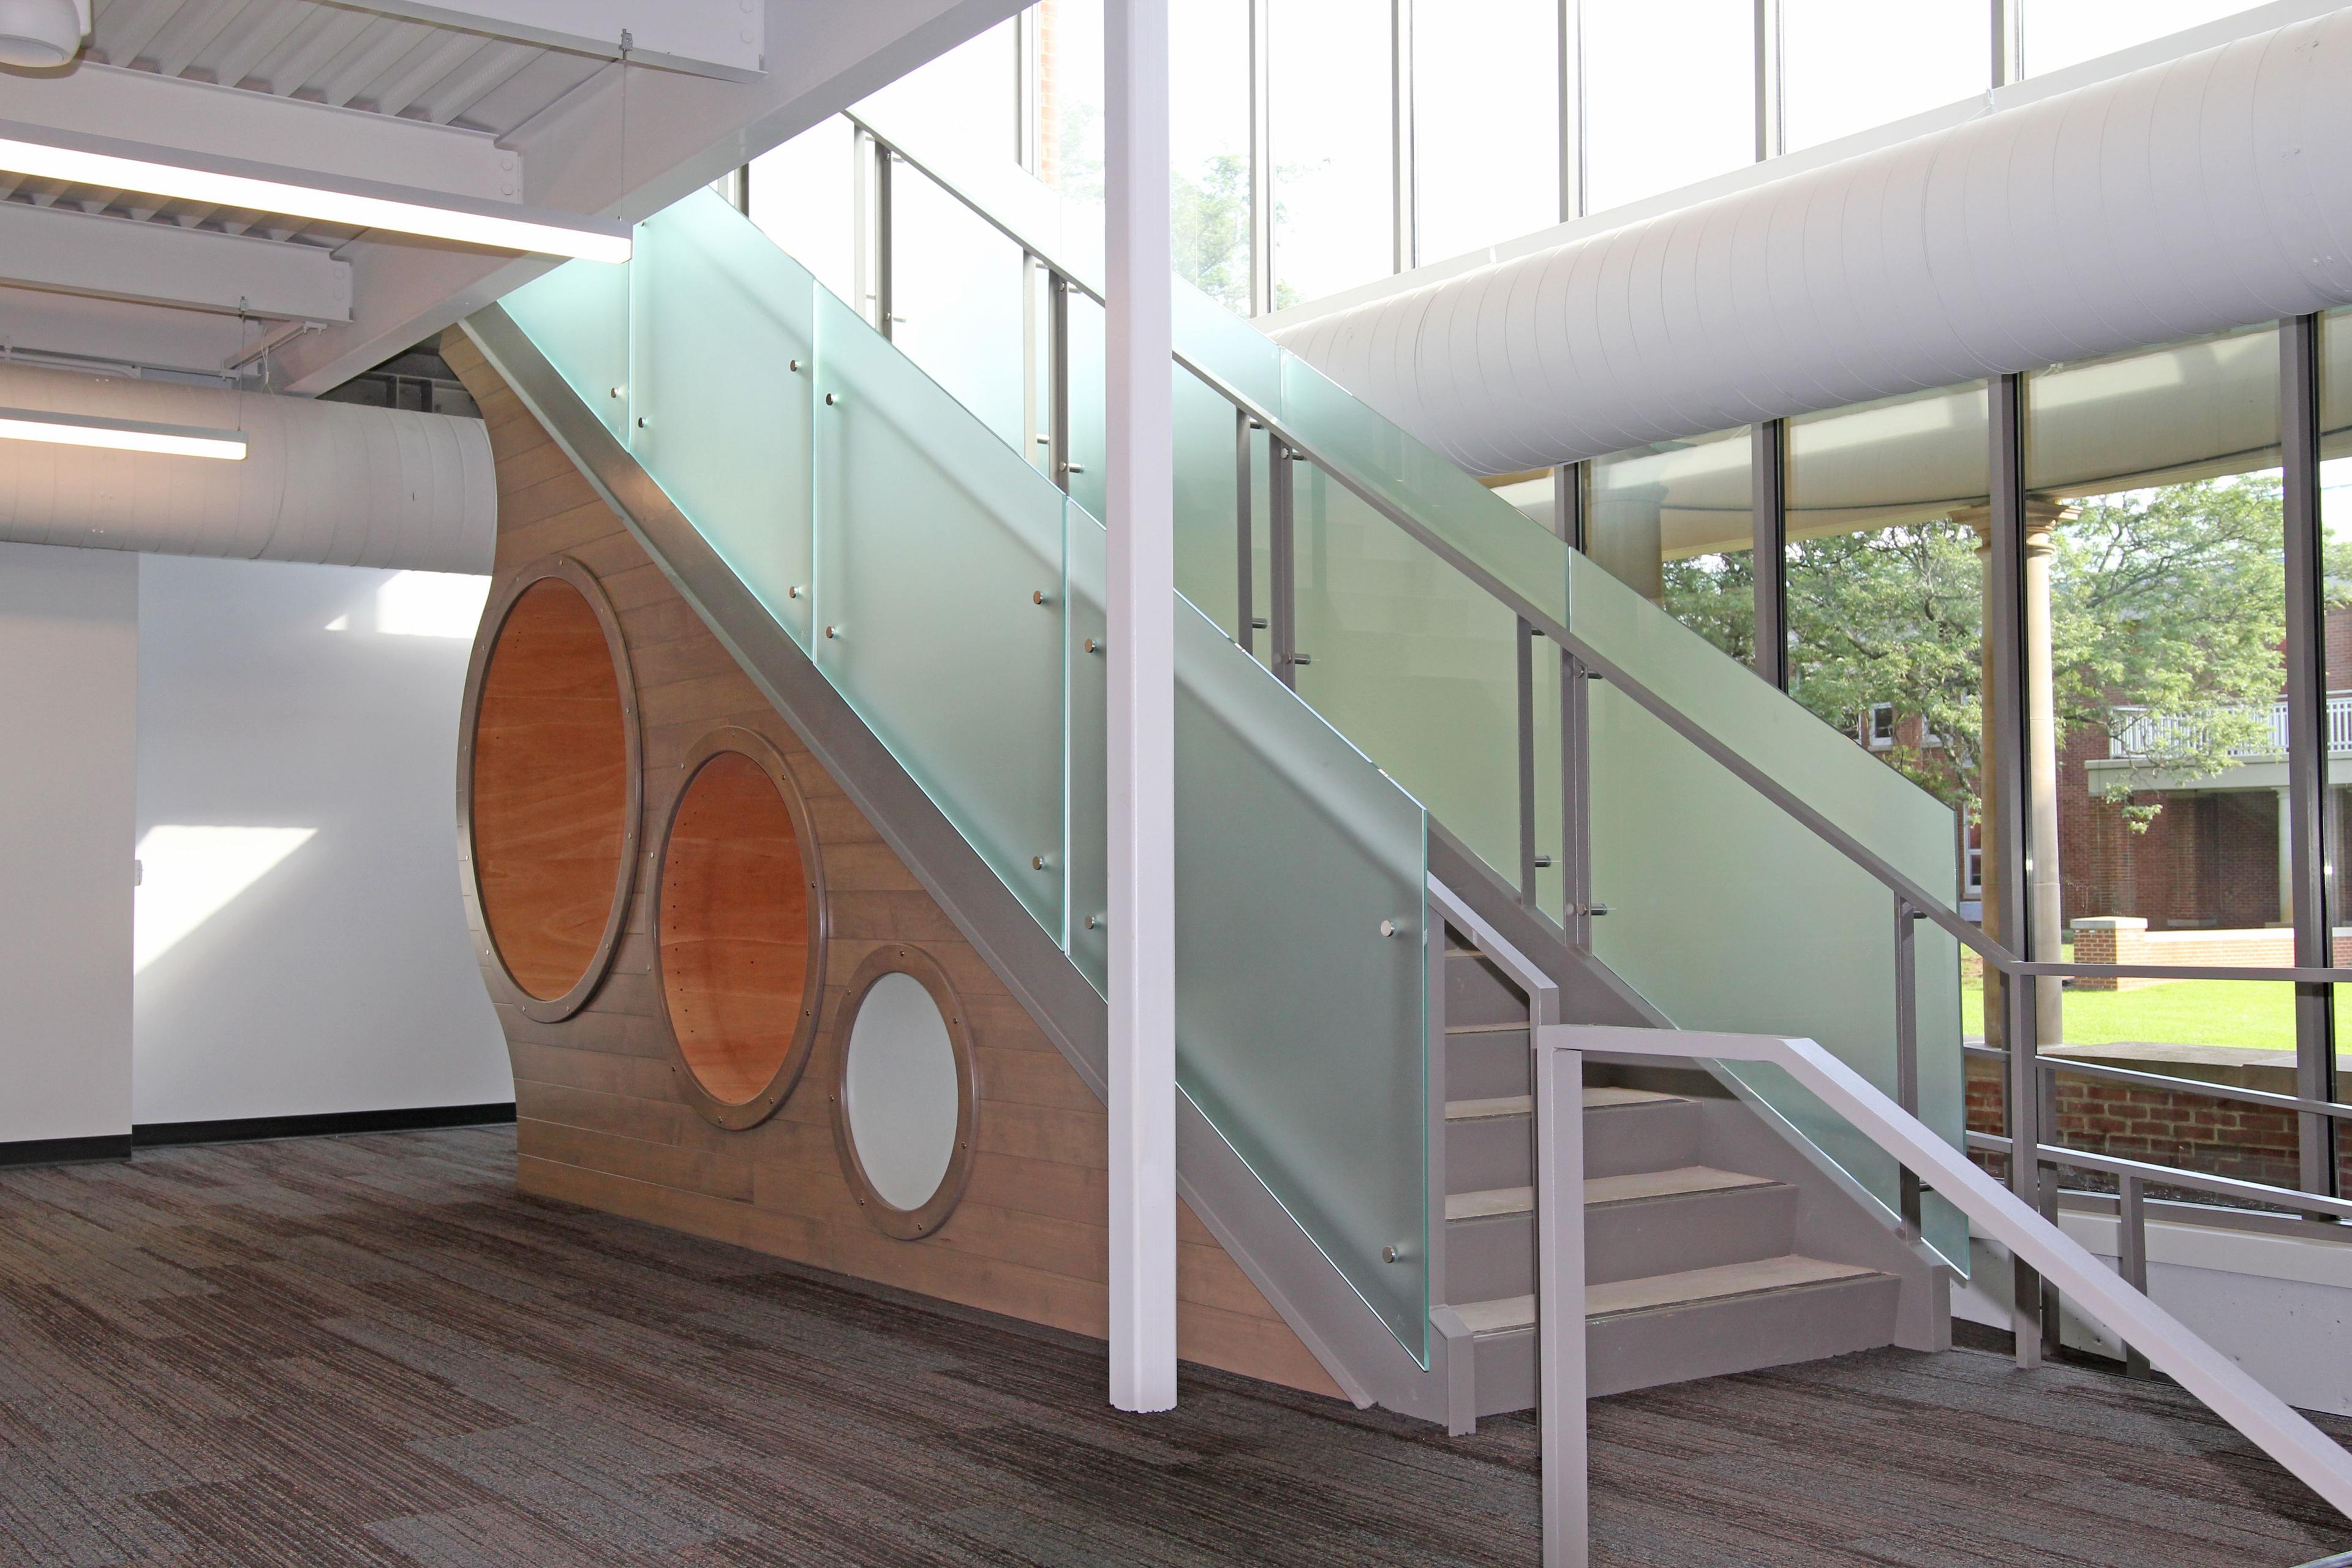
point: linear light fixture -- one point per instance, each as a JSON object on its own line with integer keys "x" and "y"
{"x": 40, "y": 152}
{"x": 121, "y": 434}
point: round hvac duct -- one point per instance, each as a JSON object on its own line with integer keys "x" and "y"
{"x": 329, "y": 483}
{"x": 2206, "y": 193}
{"x": 42, "y": 35}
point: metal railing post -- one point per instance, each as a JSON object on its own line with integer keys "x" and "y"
{"x": 1524, "y": 657}
{"x": 1281, "y": 499}
{"x": 1906, "y": 1050}
{"x": 1576, "y": 801}
{"x": 1057, "y": 419}
{"x": 885, "y": 301}
{"x": 1768, "y": 527}
{"x": 2132, "y": 1254}
{"x": 1244, "y": 553}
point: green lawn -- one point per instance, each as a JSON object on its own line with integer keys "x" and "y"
{"x": 2256, "y": 1015}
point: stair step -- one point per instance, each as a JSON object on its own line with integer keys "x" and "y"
{"x": 1597, "y": 1096}
{"x": 1679, "y": 1182}
{"x": 1682, "y": 1180}
{"x": 1492, "y": 1202}
{"x": 1511, "y": 1314}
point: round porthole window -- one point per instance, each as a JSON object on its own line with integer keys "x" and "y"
{"x": 904, "y": 1106}
{"x": 739, "y": 930}
{"x": 550, "y": 784}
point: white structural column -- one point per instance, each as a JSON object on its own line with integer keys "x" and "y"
{"x": 1141, "y": 719}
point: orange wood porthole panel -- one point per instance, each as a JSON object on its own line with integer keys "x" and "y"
{"x": 549, "y": 784}
{"x": 739, "y": 930}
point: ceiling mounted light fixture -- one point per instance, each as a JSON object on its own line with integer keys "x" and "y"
{"x": 121, "y": 434}
{"x": 40, "y": 152}
{"x": 42, "y": 35}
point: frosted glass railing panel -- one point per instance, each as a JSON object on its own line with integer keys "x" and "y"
{"x": 726, "y": 364}
{"x": 578, "y": 316}
{"x": 1770, "y": 732}
{"x": 1487, "y": 531}
{"x": 1412, "y": 661}
{"x": 1089, "y": 456}
{"x": 1301, "y": 1027}
{"x": 1215, "y": 341}
{"x": 1089, "y": 880}
{"x": 1208, "y": 535}
{"x": 956, "y": 291}
{"x": 940, "y": 601}
{"x": 1725, "y": 916}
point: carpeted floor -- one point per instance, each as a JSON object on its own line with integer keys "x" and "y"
{"x": 368, "y": 1351}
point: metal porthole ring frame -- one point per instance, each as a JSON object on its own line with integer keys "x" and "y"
{"x": 907, "y": 1225}
{"x": 735, "y": 1116}
{"x": 549, "y": 1009}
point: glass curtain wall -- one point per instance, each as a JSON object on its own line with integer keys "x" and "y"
{"x": 1486, "y": 123}
{"x": 1333, "y": 134}
{"x": 1669, "y": 95}
{"x": 1675, "y": 523}
{"x": 1848, "y": 65}
{"x": 1209, "y": 148}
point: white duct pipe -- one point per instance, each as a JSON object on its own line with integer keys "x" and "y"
{"x": 331, "y": 483}
{"x": 2210, "y": 192}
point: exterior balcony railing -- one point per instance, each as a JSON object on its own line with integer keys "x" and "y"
{"x": 2142, "y": 735}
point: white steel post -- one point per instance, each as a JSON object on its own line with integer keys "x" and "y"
{"x": 1141, "y": 717}
{"x": 1559, "y": 1303}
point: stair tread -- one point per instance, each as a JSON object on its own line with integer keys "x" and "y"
{"x": 1596, "y": 1098}
{"x": 1678, "y": 1182}
{"x": 1519, "y": 1028}
{"x": 1624, "y": 1296}
{"x": 1500, "y": 1105}
{"x": 1490, "y": 1202}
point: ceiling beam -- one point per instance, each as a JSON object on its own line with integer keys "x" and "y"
{"x": 258, "y": 127}
{"x": 37, "y": 323}
{"x": 682, "y": 132}
{"x": 48, "y": 248}
{"x": 721, "y": 38}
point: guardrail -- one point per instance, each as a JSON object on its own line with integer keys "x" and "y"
{"x": 2142, "y": 734}
{"x": 2266, "y": 1420}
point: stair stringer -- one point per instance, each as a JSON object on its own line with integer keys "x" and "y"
{"x": 1338, "y": 1327}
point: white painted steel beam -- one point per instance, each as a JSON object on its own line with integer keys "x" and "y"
{"x": 722, "y": 38}
{"x": 682, "y": 132}
{"x": 50, "y": 248}
{"x": 2082, "y": 1279}
{"x": 1140, "y": 719}
{"x": 259, "y": 127}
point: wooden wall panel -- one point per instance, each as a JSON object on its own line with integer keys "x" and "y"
{"x": 603, "y": 1122}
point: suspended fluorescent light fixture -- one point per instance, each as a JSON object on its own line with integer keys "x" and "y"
{"x": 39, "y": 152}
{"x": 121, "y": 434}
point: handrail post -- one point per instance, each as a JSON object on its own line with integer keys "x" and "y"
{"x": 1244, "y": 553}
{"x": 2132, "y": 1250}
{"x": 1524, "y": 660}
{"x": 884, "y": 294}
{"x": 1906, "y": 1051}
{"x": 1559, "y": 1304}
{"x": 1281, "y": 501}
{"x": 1576, "y": 801}
{"x": 1057, "y": 420}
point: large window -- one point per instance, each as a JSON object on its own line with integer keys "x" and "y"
{"x": 1486, "y": 122}
{"x": 1209, "y": 147}
{"x": 1333, "y": 146}
{"x": 1669, "y": 95}
{"x": 1848, "y": 65}
{"x": 1674, "y": 522}
{"x": 2062, "y": 33}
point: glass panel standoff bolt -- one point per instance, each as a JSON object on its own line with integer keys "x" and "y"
{"x": 1589, "y": 910}
{"x": 1543, "y": 862}
{"x": 793, "y": 591}
{"x": 617, "y": 392}
{"x": 829, "y": 399}
{"x": 1094, "y": 646}
{"x": 1095, "y": 923}
{"x": 793, "y": 365}
{"x": 642, "y": 421}
{"x": 1038, "y": 862}
{"x": 832, "y": 632}
{"x": 1390, "y": 1254}
{"x": 1037, "y": 597}
{"x": 1391, "y": 928}
{"x": 1074, "y": 468}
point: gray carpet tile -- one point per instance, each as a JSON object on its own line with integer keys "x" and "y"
{"x": 371, "y": 1351}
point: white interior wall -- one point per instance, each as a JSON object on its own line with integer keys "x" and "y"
{"x": 68, "y": 681}
{"x": 303, "y": 947}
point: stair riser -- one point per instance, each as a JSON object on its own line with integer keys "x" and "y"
{"x": 1488, "y": 1066}
{"x": 1477, "y": 993}
{"x": 1486, "y": 1259}
{"x": 1619, "y": 1141}
{"x": 1493, "y": 1152}
{"x": 1710, "y": 1339}
{"x": 1623, "y": 1140}
{"x": 1700, "y": 1230}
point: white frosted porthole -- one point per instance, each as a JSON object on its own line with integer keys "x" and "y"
{"x": 906, "y": 1094}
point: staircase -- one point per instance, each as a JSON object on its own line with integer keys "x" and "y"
{"x": 1355, "y": 1123}
{"x": 1694, "y": 1262}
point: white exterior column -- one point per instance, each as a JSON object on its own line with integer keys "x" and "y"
{"x": 1141, "y": 719}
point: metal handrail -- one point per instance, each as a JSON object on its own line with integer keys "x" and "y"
{"x": 2173, "y": 1176}
{"x": 2170, "y": 1081}
{"x": 1926, "y": 904}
